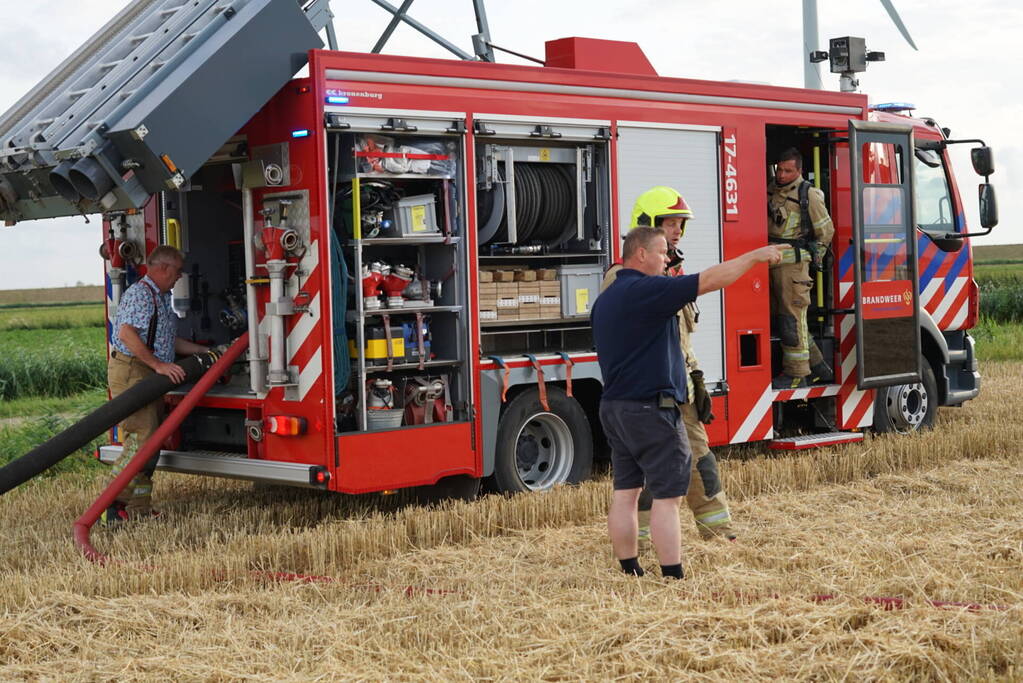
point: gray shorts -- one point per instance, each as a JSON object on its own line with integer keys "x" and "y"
{"x": 648, "y": 444}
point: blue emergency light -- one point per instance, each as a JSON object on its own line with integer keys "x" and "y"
{"x": 304, "y": 133}
{"x": 336, "y": 99}
{"x": 894, "y": 107}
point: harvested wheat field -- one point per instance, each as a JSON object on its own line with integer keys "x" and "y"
{"x": 525, "y": 588}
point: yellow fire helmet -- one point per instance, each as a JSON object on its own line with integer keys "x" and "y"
{"x": 659, "y": 201}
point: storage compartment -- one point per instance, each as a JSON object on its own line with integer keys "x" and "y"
{"x": 399, "y": 224}
{"x": 214, "y": 429}
{"x": 543, "y": 221}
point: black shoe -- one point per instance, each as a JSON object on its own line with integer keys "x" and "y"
{"x": 784, "y": 381}
{"x": 821, "y": 374}
{"x": 115, "y": 515}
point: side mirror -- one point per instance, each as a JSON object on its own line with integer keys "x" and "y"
{"x": 983, "y": 161}
{"x": 988, "y": 205}
{"x": 949, "y": 243}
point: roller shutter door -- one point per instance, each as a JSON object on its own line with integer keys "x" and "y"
{"x": 686, "y": 159}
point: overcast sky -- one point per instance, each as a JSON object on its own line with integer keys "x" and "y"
{"x": 965, "y": 74}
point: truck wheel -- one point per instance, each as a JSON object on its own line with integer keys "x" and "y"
{"x": 539, "y": 449}
{"x": 906, "y": 408}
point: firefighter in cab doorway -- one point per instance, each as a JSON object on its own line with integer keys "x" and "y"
{"x": 663, "y": 207}
{"x": 797, "y": 218}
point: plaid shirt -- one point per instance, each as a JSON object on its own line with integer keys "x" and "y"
{"x": 136, "y": 308}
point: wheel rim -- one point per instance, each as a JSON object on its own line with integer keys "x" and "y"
{"x": 907, "y": 405}
{"x": 544, "y": 451}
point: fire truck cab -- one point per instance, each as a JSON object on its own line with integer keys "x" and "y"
{"x": 414, "y": 246}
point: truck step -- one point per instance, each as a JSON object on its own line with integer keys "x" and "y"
{"x": 231, "y": 466}
{"x": 796, "y": 443}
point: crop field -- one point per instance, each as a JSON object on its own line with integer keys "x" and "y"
{"x": 989, "y": 253}
{"x": 41, "y": 362}
{"x": 272, "y": 585}
{"x": 997, "y": 261}
{"x": 55, "y": 317}
{"x": 52, "y": 295}
{"x": 524, "y": 587}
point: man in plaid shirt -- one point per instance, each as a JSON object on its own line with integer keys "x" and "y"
{"x": 145, "y": 342}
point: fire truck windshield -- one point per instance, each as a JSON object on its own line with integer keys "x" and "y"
{"x": 934, "y": 210}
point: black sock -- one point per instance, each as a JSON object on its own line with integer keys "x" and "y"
{"x": 672, "y": 570}
{"x": 631, "y": 566}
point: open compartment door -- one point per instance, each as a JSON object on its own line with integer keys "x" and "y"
{"x": 145, "y": 103}
{"x": 884, "y": 234}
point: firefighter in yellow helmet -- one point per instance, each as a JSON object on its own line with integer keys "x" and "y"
{"x": 796, "y": 217}
{"x": 665, "y": 208}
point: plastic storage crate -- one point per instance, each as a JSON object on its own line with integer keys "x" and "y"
{"x": 415, "y": 216}
{"x": 580, "y": 285}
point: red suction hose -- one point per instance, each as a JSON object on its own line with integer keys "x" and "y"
{"x": 82, "y": 526}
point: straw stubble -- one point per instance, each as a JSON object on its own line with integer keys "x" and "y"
{"x": 524, "y": 587}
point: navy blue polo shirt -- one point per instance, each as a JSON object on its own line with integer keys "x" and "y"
{"x": 635, "y": 329}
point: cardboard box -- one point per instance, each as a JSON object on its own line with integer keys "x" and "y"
{"x": 529, "y": 292}
{"x": 507, "y": 289}
{"x": 553, "y": 301}
{"x": 488, "y": 314}
{"x": 550, "y": 312}
{"x": 529, "y": 311}
{"x": 486, "y": 276}
{"x": 504, "y": 276}
{"x": 525, "y": 275}
{"x": 546, "y": 274}
{"x": 550, "y": 287}
{"x": 488, "y": 288}
{"x": 507, "y": 302}
{"x": 508, "y": 314}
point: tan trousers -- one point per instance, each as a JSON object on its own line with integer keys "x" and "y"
{"x": 124, "y": 372}
{"x": 710, "y": 512}
{"x": 790, "y": 297}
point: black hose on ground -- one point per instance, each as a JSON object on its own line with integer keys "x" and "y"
{"x": 46, "y": 455}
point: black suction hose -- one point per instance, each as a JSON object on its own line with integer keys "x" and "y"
{"x": 45, "y": 456}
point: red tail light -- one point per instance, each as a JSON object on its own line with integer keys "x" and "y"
{"x": 284, "y": 425}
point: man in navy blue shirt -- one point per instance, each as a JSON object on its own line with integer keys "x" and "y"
{"x": 635, "y": 328}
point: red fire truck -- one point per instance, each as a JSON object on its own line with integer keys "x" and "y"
{"x": 414, "y": 246}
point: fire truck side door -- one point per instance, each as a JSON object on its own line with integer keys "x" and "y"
{"x": 884, "y": 235}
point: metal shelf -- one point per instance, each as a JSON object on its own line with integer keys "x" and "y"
{"x": 532, "y": 322}
{"x": 434, "y": 238}
{"x": 518, "y": 257}
{"x": 371, "y": 369}
{"x": 399, "y": 176}
{"x": 411, "y": 310}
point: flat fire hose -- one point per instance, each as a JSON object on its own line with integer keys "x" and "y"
{"x": 568, "y": 372}
{"x": 81, "y": 528}
{"x": 48, "y": 454}
{"x": 541, "y": 383}
{"x": 505, "y": 376}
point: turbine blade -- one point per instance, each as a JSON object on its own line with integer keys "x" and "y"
{"x": 897, "y": 20}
